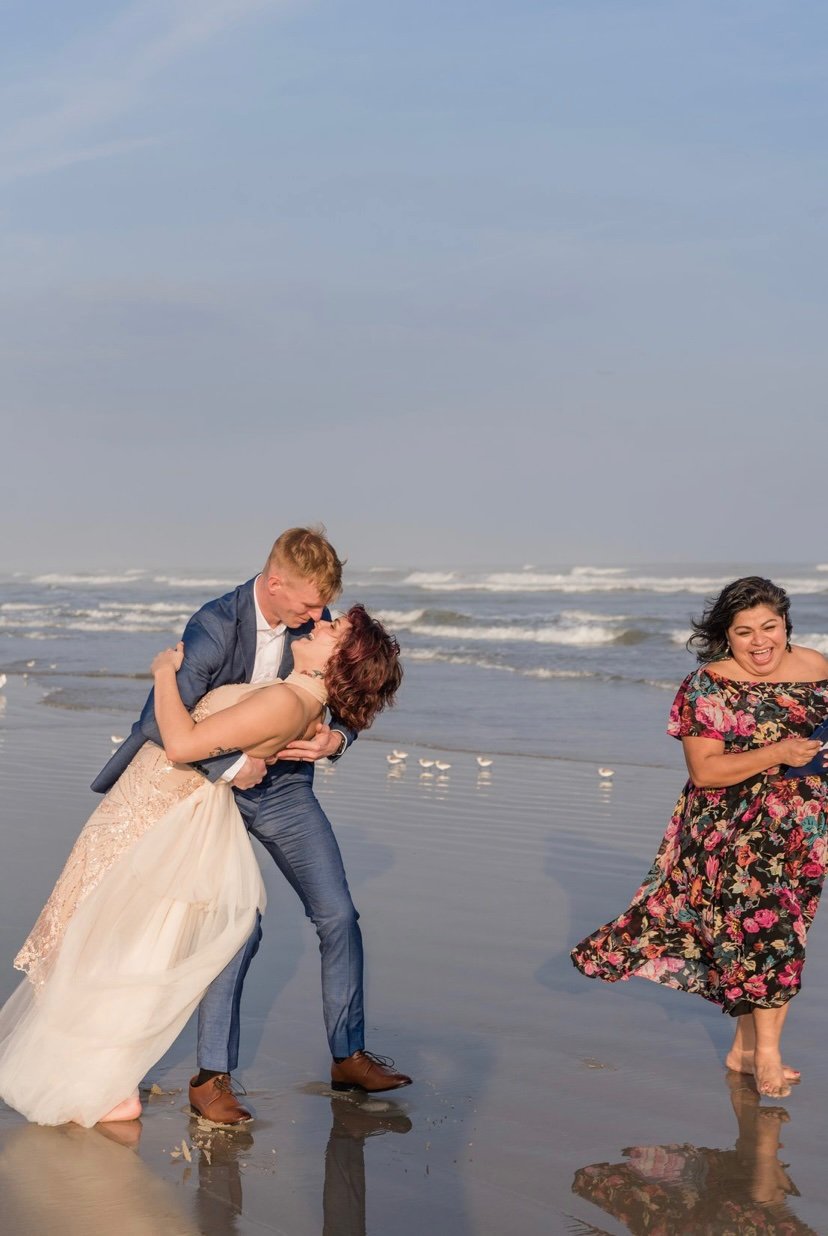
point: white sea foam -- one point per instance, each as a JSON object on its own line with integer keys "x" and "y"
{"x": 185, "y": 581}
{"x": 431, "y": 579}
{"x": 127, "y": 578}
{"x": 818, "y": 641}
{"x": 589, "y": 580}
{"x": 586, "y": 634}
{"x": 121, "y": 627}
{"x": 400, "y": 618}
{"x": 154, "y": 607}
{"x": 681, "y": 637}
{"x": 586, "y": 615}
{"x": 589, "y": 570}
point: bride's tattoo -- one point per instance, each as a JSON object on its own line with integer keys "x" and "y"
{"x": 221, "y": 751}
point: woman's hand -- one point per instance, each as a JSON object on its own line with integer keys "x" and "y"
{"x": 170, "y": 658}
{"x": 795, "y": 751}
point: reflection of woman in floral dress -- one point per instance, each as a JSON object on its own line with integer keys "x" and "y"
{"x": 725, "y": 909}
{"x": 698, "y": 1191}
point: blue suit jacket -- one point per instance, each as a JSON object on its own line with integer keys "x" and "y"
{"x": 219, "y": 648}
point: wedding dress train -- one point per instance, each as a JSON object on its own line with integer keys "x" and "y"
{"x": 160, "y": 891}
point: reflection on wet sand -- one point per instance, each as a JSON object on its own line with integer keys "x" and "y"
{"x": 92, "y": 1182}
{"x": 84, "y": 1182}
{"x": 684, "y": 1190}
{"x": 343, "y": 1197}
{"x": 219, "y": 1199}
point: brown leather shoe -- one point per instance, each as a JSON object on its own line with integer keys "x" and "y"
{"x": 365, "y": 1071}
{"x": 215, "y": 1101}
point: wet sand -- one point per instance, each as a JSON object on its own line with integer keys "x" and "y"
{"x": 543, "y": 1103}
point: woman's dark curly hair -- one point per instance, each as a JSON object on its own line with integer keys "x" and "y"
{"x": 364, "y": 673}
{"x": 709, "y": 638}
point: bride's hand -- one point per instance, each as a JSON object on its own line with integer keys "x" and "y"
{"x": 172, "y": 657}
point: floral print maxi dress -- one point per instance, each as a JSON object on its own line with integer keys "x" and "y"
{"x": 725, "y": 908}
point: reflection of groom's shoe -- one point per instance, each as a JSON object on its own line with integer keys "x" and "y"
{"x": 220, "y": 1200}
{"x": 216, "y": 1101}
{"x": 360, "y": 1122}
{"x": 365, "y": 1071}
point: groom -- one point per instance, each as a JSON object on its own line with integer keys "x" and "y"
{"x": 246, "y": 636}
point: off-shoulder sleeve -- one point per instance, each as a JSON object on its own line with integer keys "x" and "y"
{"x": 700, "y": 709}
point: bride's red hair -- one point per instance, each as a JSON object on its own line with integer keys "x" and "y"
{"x": 364, "y": 673}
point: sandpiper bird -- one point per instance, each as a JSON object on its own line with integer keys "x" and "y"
{"x": 426, "y": 763}
{"x": 2, "y": 681}
{"x": 442, "y": 765}
{"x": 484, "y": 761}
{"x": 394, "y": 759}
{"x": 401, "y": 755}
{"x": 606, "y": 772}
{"x": 116, "y": 738}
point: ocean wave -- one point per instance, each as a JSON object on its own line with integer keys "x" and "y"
{"x": 400, "y": 618}
{"x": 127, "y": 577}
{"x": 581, "y": 635}
{"x": 586, "y": 615}
{"x": 818, "y": 641}
{"x": 417, "y": 619}
{"x": 569, "y": 582}
{"x": 119, "y": 628}
{"x": 150, "y": 607}
{"x": 430, "y": 579}
{"x": 590, "y": 570}
{"x": 126, "y": 619}
{"x": 186, "y": 581}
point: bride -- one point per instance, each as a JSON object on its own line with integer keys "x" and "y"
{"x": 162, "y": 887}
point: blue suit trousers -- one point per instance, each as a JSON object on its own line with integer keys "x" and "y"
{"x": 285, "y": 816}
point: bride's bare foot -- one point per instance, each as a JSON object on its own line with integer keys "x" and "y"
{"x": 129, "y": 1109}
{"x": 769, "y": 1073}
{"x": 742, "y": 1062}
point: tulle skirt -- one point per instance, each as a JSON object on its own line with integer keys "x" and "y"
{"x": 136, "y": 958}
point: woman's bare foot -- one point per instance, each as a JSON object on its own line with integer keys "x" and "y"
{"x": 769, "y": 1073}
{"x": 129, "y": 1109}
{"x": 742, "y": 1062}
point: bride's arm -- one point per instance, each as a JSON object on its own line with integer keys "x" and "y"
{"x": 266, "y": 719}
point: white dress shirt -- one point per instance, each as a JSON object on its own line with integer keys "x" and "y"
{"x": 270, "y": 644}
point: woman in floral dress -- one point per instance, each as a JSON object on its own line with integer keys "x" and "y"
{"x": 725, "y": 909}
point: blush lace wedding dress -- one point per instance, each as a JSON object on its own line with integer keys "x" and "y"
{"x": 160, "y": 891}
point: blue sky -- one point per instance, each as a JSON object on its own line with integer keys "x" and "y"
{"x": 469, "y": 282}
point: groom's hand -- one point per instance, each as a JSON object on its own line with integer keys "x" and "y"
{"x": 324, "y": 743}
{"x": 250, "y": 773}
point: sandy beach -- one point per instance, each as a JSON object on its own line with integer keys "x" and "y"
{"x": 543, "y": 1103}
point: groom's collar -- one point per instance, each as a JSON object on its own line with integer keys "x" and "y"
{"x": 262, "y": 624}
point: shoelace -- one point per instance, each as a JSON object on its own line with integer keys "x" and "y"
{"x": 225, "y": 1082}
{"x": 384, "y": 1060}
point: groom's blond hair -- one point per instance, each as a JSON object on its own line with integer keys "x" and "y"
{"x": 308, "y": 553}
